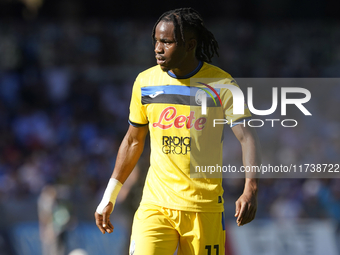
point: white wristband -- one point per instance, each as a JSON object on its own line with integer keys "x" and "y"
{"x": 110, "y": 195}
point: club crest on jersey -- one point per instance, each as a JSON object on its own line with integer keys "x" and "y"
{"x": 168, "y": 118}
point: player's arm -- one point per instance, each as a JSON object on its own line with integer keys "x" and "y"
{"x": 128, "y": 154}
{"x": 246, "y": 205}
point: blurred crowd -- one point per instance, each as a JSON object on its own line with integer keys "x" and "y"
{"x": 65, "y": 89}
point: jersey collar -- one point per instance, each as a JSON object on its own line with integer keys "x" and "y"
{"x": 200, "y": 64}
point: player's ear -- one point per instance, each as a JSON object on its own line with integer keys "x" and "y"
{"x": 191, "y": 44}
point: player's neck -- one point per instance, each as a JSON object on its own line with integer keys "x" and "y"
{"x": 186, "y": 69}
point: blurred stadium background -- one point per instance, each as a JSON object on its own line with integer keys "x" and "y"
{"x": 66, "y": 73}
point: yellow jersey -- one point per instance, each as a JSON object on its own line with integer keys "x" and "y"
{"x": 182, "y": 138}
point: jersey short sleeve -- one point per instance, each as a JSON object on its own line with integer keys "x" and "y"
{"x": 137, "y": 115}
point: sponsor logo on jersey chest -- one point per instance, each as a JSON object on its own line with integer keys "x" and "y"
{"x": 168, "y": 118}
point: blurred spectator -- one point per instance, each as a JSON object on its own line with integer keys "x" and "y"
{"x": 54, "y": 218}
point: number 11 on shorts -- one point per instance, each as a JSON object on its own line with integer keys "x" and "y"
{"x": 216, "y": 247}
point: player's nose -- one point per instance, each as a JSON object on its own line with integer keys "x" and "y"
{"x": 159, "y": 48}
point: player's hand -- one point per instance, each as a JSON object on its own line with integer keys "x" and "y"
{"x": 246, "y": 207}
{"x": 103, "y": 221}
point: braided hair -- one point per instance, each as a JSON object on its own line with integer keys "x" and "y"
{"x": 188, "y": 19}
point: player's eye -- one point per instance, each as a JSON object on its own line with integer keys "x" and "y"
{"x": 168, "y": 42}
